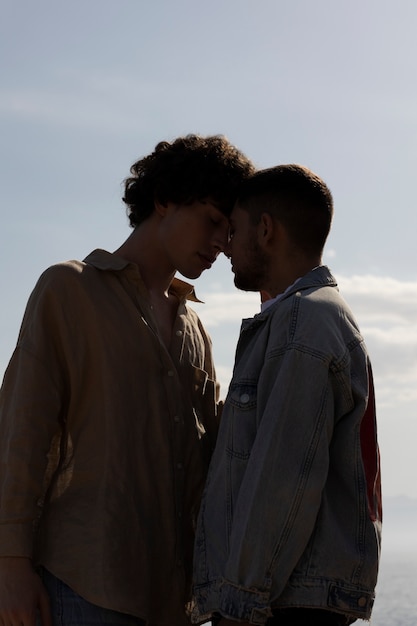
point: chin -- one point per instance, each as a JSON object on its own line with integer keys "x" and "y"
{"x": 244, "y": 286}
{"x": 191, "y": 275}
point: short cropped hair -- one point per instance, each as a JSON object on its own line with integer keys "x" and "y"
{"x": 191, "y": 168}
{"x": 296, "y": 197}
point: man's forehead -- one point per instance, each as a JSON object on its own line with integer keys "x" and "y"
{"x": 212, "y": 205}
{"x": 237, "y": 214}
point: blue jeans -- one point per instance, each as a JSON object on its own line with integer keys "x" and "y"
{"x": 69, "y": 609}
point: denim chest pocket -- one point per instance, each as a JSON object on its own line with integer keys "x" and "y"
{"x": 242, "y": 400}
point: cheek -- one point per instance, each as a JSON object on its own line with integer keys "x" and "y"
{"x": 235, "y": 250}
{"x": 223, "y": 232}
{"x": 237, "y": 244}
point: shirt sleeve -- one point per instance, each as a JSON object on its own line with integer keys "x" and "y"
{"x": 31, "y": 403}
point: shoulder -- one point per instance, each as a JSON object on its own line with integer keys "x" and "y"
{"x": 62, "y": 269}
{"x": 61, "y": 275}
{"x": 58, "y": 285}
{"x": 317, "y": 318}
{"x": 325, "y": 302}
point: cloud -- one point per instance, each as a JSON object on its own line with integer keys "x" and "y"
{"x": 378, "y": 295}
{"x": 386, "y": 310}
{"x": 223, "y": 307}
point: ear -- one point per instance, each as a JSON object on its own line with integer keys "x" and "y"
{"x": 265, "y": 228}
{"x": 160, "y": 208}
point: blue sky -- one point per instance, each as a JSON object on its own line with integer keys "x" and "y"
{"x": 89, "y": 86}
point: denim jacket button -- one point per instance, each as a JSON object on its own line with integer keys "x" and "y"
{"x": 244, "y": 398}
{"x": 362, "y": 601}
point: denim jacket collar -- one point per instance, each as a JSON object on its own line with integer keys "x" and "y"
{"x": 319, "y": 276}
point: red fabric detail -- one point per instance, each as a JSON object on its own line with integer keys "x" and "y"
{"x": 370, "y": 454}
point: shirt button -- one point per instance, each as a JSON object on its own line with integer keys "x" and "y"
{"x": 170, "y": 373}
{"x": 176, "y": 419}
{"x": 244, "y": 398}
{"x": 179, "y": 333}
{"x": 362, "y": 602}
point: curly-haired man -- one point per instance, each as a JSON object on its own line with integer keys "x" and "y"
{"x": 108, "y": 408}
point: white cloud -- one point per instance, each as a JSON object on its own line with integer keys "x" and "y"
{"x": 401, "y": 295}
{"x": 224, "y": 307}
{"x": 329, "y": 253}
{"x": 386, "y": 310}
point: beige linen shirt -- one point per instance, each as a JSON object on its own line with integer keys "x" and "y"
{"x": 105, "y": 437}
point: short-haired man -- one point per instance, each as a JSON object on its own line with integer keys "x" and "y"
{"x": 108, "y": 408}
{"x": 289, "y": 528}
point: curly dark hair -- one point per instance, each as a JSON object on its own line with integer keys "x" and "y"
{"x": 189, "y": 169}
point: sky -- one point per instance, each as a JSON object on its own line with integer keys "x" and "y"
{"x": 89, "y": 86}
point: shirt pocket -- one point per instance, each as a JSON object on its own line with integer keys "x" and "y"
{"x": 242, "y": 399}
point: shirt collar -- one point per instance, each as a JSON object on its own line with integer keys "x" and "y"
{"x": 106, "y": 261}
{"x": 315, "y": 271}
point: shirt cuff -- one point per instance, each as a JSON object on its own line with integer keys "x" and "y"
{"x": 233, "y": 602}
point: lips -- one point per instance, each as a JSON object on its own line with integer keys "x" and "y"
{"x": 207, "y": 260}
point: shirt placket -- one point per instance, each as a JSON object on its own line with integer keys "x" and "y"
{"x": 175, "y": 408}
{"x": 178, "y": 425}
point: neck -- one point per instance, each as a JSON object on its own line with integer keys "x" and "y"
{"x": 141, "y": 248}
{"x": 284, "y": 276}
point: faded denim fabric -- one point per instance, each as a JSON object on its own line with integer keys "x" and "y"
{"x": 70, "y": 609}
{"x": 291, "y": 513}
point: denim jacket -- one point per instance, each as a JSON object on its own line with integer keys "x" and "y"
{"x": 291, "y": 513}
